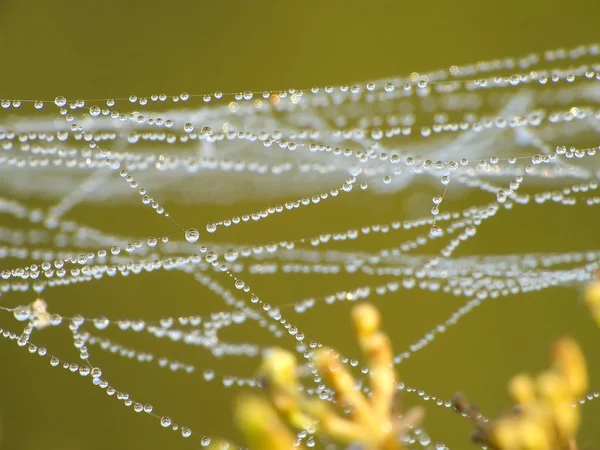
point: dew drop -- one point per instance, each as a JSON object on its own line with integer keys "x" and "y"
{"x": 165, "y": 421}
{"x": 192, "y": 235}
{"x": 231, "y": 255}
{"x": 101, "y": 323}
{"x": 22, "y": 313}
{"x": 60, "y": 101}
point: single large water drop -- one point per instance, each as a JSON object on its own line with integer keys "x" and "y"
{"x": 192, "y": 235}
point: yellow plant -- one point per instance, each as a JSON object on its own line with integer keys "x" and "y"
{"x": 374, "y": 422}
{"x": 544, "y": 418}
{"x": 592, "y": 298}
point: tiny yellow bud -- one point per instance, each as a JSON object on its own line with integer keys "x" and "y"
{"x": 522, "y": 389}
{"x": 261, "y": 425}
{"x": 570, "y": 362}
{"x": 366, "y": 319}
{"x": 341, "y": 380}
{"x": 505, "y": 434}
{"x": 592, "y": 299}
{"x": 533, "y": 435}
{"x": 279, "y": 366}
{"x": 567, "y": 420}
{"x": 343, "y": 383}
{"x": 553, "y": 387}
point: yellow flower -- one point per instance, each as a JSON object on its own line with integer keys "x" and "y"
{"x": 373, "y": 422}
{"x": 545, "y": 418}
{"x": 592, "y": 299}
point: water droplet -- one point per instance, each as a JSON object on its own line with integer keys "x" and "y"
{"x": 22, "y": 313}
{"x": 192, "y": 235}
{"x": 501, "y": 196}
{"x": 101, "y": 323}
{"x": 60, "y": 101}
{"x": 165, "y": 421}
{"x": 231, "y": 255}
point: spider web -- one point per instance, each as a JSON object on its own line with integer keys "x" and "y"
{"x": 509, "y": 142}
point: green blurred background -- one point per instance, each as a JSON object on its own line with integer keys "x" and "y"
{"x": 115, "y": 49}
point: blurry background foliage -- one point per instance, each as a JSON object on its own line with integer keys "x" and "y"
{"x": 117, "y": 48}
